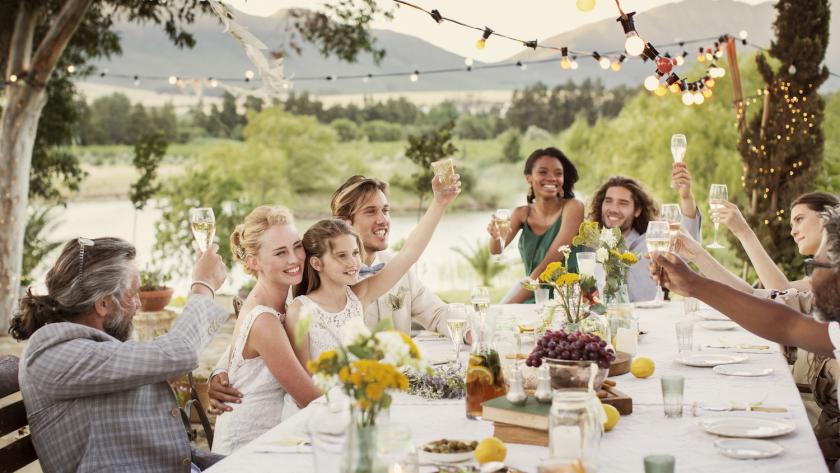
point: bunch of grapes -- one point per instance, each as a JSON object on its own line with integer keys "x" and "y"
{"x": 575, "y": 346}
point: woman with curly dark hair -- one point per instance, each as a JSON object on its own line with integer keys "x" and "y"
{"x": 550, "y": 219}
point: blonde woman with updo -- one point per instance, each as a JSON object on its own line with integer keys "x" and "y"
{"x": 261, "y": 363}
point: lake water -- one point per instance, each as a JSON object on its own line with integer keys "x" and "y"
{"x": 440, "y": 267}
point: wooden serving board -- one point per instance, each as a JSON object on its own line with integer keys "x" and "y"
{"x": 621, "y": 364}
{"x": 612, "y": 396}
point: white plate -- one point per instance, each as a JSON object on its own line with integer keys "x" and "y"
{"x": 748, "y": 449}
{"x": 747, "y": 427}
{"x": 712, "y": 314}
{"x": 652, "y": 304}
{"x": 706, "y": 360}
{"x": 718, "y": 325}
{"x": 429, "y": 457}
{"x": 742, "y": 370}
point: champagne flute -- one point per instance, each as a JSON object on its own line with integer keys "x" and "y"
{"x": 502, "y": 219}
{"x": 672, "y": 214}
{"x": 203, "y": 226}
{"x": 480, "y": 299}
{"x": 457, "y": 325}
{"x": 717, "y": 193}
{"x": 658, "y": 238}
{"x": 678, "y": 146}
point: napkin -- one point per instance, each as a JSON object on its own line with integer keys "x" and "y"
{"x": 289, "y": 443}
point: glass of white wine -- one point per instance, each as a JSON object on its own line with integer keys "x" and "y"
{"x": 480, "y": 300}
{"x": 672, "y": 214}
{"x": 203, "y": 226}
{"x": 717, "y": 193}
{"x": 502, "y": 219}
{"x": 678, "y": 147}
{"x": 658, "y": 238}
{"x": 457, "y": 325}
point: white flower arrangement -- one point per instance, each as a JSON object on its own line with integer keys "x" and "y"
{"x": 602, "y": 255}
{"x": 609, "y": 238}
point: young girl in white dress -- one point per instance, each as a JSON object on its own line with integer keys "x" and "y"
{"x": 331, "y": 288}
{"x": 260, "y": 361}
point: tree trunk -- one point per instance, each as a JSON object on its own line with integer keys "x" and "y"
{"x": 18, "y": 125}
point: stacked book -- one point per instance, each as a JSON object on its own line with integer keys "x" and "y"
{"x": 526, "y": 424}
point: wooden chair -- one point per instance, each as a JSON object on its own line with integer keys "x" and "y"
{"x": 195, "y": 403}
{"x": 21, "y": 452}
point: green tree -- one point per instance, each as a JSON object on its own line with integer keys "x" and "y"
{"x": 512, "y": 146}
{"x": 37, "y": 245}
{"x": 782, "y": 146}
{"x": 149, "y": 151}
{"x": 423, "y": 150}
{"x": 346, "y": 129}
{"x": 480, "y": 260}
{"x": 110, "y": 116}
{"x": 829, "y": 179}
{"x": 380, "y": 130}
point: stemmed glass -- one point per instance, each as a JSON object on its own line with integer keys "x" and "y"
{"x": 480, "y": 299}
{"x": 203, "y": 226}
{"x": 717, "y": 193}
{"x": 502, "y": 219}
{"x": 678, "y": 146}
{"x": 672, "y": 214}
{"x": 457, "y": 325}
{"x": 658, "y": 238}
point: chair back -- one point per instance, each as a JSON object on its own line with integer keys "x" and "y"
{"x": 21, "y": 451}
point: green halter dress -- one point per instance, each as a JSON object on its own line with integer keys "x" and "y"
{"x": 533, "y": 247}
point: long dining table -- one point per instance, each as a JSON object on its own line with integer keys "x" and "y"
{"x": 646, "y": 431}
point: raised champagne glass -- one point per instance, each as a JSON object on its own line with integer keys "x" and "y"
{"x": 203, "y": 226}
{"x": 717, "y": 193}
{"x": 502, "y": 219}
{"x": 658, "y": 238}
{"x": 672, "y": 214}
{"x": 678, "y": 146}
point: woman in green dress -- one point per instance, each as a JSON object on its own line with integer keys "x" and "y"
{"x": 549, "y": 221}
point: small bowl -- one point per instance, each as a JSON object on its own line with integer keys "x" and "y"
{"x": 432, "y": 457}
{"x": 574, "y": 374}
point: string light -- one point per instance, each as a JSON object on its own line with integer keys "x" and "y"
{"x": 701, "y": 56}
{"x": 616, "y": 65}
{"x": 661, "y": 90}
{"x": 71, "y": 69}
{"x": 249, "y": 74}
{"x": 652, "y": 83}
{"x": 634, "y": 45}
{"x": 574, "y": 63}
{"x": 413, "y": 77}
{"x": 565, "y": 63}
{"x": 468, "y": 61}
{"x": 585, "y": 5}
{"x": 680, "y": 60}
{"x": 483, "y": 40}
{"x": 13, "y": 78}
{"x": 172, "y": 80}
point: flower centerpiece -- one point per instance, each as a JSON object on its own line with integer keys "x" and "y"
{"x": 611, "y": 251}
{"x": 367, "y": 366}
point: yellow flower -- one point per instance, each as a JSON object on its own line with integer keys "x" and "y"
{"x": 412, "y": 348}
{"x": 551, "y": 270}
{"x": 344, "y": 374}
{"x": 374, "y": 391}
{"x": 323, "y": 362}
{"x": 567, "y": 279}
{"x": 629, "y": 258}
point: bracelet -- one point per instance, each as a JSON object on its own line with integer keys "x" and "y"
{"x": 202, "y": 283}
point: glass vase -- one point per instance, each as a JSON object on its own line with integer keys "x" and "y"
{"x": 589, "y": 322}
{"x": 361, "y": 446}
{"x": 575, "y": 427}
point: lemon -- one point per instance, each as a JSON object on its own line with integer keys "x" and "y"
{"x": 612, "y": 417}
{"x": 479, "y": 374}
{"x": 642, "y": 367}
{"x": 490, "y": 449}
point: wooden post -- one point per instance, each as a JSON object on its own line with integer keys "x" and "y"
{"x": 737, "y": 89}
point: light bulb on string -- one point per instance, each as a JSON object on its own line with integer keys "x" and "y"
{"x": 616, "y": 65}
{"x": 249, "y": 74}
{"x": 709, "y": 56}
{"x": 564, "y": 61}
{"x": 172, "y": 80}
{"x": 688, "y": 98}
{"x": 483, "y": 40}
{"x": 680, "y": 59}
{"x": 13, "y": 78}
{"x": 468, "y": 61}
{"x": 214, "y": 83}
{"x": 707, "y": 93}
{"x": 701, "y": 56}
{"x": 367, "y": 78}
{"x": 136, "y": 81}
{"x": 71, "y": 68}
{"x": 413, "y": 77}
{"x": 792, "y": 69}
{"x": 633, "y": 44}
{"x": 699, "y": 98}
{"x": 585, "y": 5}
{"x": 651, "y": 83}
{"x": 574, "y": 63}
{"x": 522, "y": 65}
{"x": 710, "y": 82}
{"x": 661, "y": 90}
{"x": 742, "y": 34}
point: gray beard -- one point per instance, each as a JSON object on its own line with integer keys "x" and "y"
{"x": 119, "y": 324}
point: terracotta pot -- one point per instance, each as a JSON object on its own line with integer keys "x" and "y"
{"x": 154, "y": 301}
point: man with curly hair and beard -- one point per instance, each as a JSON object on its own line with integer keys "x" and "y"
{"x": 622, "y": 202}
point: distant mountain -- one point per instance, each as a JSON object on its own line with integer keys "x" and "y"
{"x": 147, "y": 51}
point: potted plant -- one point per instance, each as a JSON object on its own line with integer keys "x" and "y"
{"x": 154, "y": 294}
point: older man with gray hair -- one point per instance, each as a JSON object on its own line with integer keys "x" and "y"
{"x": 94, "y": 400}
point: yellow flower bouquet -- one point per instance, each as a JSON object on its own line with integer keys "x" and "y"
{"x": 576, "y": 294}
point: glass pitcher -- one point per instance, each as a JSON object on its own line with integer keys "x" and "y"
{"x": 484, "y": 379}
{"x": 575, "y": 428}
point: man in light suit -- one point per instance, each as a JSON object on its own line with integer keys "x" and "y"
{"x": 96, "y": 401}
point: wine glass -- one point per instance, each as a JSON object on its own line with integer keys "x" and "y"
{"x": 502, "y": 219}
{"x": 678, "y": 146}
{"x": 717, "y": 193}
{"x": 672, "y": 214}
{"x": 203, "y": 226}
{"x": 457, "y": 325}
{"x": 658, "y": 238}
{"x": 480, "y": 299}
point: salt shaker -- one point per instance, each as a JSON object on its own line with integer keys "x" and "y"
{"x": 516, "y": 392}
{"x": 543, "y": 393}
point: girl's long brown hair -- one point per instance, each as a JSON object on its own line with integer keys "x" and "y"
{"x": 317, "y": 241}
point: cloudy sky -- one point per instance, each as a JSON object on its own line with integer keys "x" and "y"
{"x": 532, "y": 19}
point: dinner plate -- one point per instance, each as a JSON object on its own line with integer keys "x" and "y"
{"x": 652, "y": 304}
{"x": 747, "y": 427}
{"x": 430, "y": 457}
{"x": 718, "y": 325}
{"x": 742, "y": 370}
{"x": 707, "y": 360}
{"x": 712, "y": 314}
{"x": 748, "y": 449}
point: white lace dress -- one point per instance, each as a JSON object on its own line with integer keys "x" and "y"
{"x": 320, "y": 340}
{"x": 264, "y": 402}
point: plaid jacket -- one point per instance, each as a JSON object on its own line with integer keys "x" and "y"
{"x": 97, "y": 404}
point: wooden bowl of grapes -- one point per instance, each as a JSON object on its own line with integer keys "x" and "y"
{"x": 571, "y": 357}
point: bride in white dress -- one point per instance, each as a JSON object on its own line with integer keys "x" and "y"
{"x": 330, "y": 285}
{"x": 260, "y": 362}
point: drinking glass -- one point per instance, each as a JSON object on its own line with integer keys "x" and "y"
{"x": 586, "y": 263}
{"x": 658, "y": 238}
{"x": 685, "y": 335}
{"x": 395, "y": 450}
{"x": 457, "y": 325}
{"x": 672, "y": 214}
{"x": 672, "y": 394}
{"x": 502, "y": 219}
{"x": 445, "y": 172}
{"x": 659, "y": 464}
{"x": 480, "y": 299}
{"x": 717, "y": 192}
{"x": 690, "y": 306}
{"x": 203, "y": 226}
{"x": 678, "y": 146}
{"x": 540, "y": 298}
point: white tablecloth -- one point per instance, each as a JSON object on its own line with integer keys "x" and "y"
{"x": 646, "y": 431}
